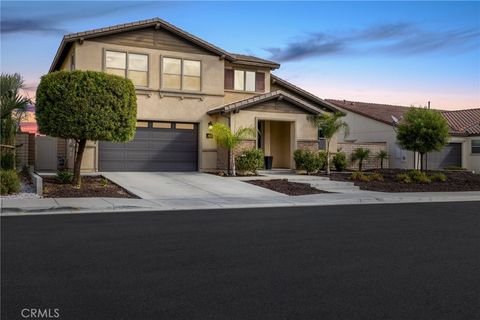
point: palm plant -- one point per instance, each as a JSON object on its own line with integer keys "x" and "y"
{"x": 382, "y": 155}
{"x": 226, "y": 138}
{"x": 360, "y": 154}
{"x": 330, "y": 124}
{"x": 12, "y": 108}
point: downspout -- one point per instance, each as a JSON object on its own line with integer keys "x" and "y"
{"x": 228, "y": 153}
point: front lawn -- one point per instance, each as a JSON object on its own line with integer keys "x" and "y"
{"x": 455, "y": 181}
{"x": 92, "y": 186}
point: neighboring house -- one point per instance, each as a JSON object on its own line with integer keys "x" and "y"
{"x": 372, "y": 122}
{"x": 183, "y": 85}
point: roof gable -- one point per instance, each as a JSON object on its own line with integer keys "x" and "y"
{"x": 282, "y": 84}
{"x": 170, "y": 32}
{"x": 263, "y": 98}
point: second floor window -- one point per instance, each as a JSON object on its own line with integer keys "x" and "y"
{"x": 242, "y": 80}
{"x": 134, "y": 66}
{"x": 181, "y": 74}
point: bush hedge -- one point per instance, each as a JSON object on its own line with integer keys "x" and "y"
{"x": 309, "y": 161}
{"x": 250, "y": 160}
{"x": 7, "y": 160}
{"x": 340, "y": 161}
{"x": 9, "y": 182}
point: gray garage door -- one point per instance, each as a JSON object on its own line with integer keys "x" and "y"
{"x": 450, "y": 155}
{"x": 157, "y": 146}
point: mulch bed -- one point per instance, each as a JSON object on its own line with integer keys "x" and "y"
{"x": 286, "y": 187}
{"x": 456, "y": 181}
{"x": 91, "y": 187}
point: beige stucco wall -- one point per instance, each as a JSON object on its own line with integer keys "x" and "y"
{"x": 154, "y": 103}
{"x": 363, "y": 129}
{"x": 470, "y": 161}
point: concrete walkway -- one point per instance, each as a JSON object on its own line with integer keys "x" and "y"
{"x": 13, "y": 207}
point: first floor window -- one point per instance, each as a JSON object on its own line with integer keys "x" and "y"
{"x": 476, "y": 146}
{"x": 136, "y": 69}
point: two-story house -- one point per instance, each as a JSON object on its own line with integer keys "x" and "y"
{"x": 183, "y": 85}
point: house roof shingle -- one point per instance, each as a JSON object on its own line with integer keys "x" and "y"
{"x": 279, "y": 94}
{"x": 461, "y": 122}
{"x": 157, "y": 22}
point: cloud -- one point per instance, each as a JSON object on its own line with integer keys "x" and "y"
{"x": 397, "y": 38}
{"x": 27, "y": 25}
{"x": 49, "y": 17}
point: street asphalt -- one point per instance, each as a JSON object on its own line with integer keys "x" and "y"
{"x": 392, "y": 261}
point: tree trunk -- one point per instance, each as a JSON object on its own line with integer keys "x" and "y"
{"x": 328, "y": 157}
{"x": 360, "y": 162}
{"x": 77, "y": 179}
{"x": 381, "y": 164}
{"x": 233, "y": 164}
{"x": 421, "y": 162}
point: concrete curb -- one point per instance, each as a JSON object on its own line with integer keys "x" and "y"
{"x": 110, "y": 205}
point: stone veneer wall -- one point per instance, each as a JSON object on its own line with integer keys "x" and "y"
{"x": 311, "y": 145}
{"x": 222, "y": 154}
{"x": 372, "y": 162}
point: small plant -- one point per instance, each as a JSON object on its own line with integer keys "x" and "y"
{"x": 250, "y": 160}
{"x": 418, "y": 176}
{"x": 307, "y": 160}
{"x": 104, "y": 182}
{"x": 340, "y": 161}
{"x": 439, "y": 177}
{"x": 9, "y": 182}
{"x": 299, "y": 156}
{"x": 403, "y": 178}
{"x": 375, "y": 177}
{"x": 360, "y": 155}
{"x": 382, "y": 155}
{"x": 323, "y": 159}
{"x": 359, "y": 176}
{"x": 64, "y": 176}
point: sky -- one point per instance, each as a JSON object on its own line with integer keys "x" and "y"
{"x": 404, "y": 53}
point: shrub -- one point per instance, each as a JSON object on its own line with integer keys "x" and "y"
{"x": 7, "y": 161}
{"x": 340, "y": 161}
{"x": 359, "y": 176}
{"x": 64, "y": 176}
{"x": 250, "y": 160}
{"x": 382, "y": 155}
{"x": 312, "y": 162}
{"x": 299, "y": 158}
{"x": 418, "y": 176}
{"x": 9, "y": 182}
{"x": 438, "y": 176}
{"x": 403, "y": 177}
{"x": 375, "y": 177}
{"x": 322, "y": 155}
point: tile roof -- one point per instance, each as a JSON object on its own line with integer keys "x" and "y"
{"x": 279, "y": 94}
{"x": 461, "y": 122}
{"x": 239, "y": 58}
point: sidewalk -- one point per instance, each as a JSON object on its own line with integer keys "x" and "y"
{"x": 16, "y": 207}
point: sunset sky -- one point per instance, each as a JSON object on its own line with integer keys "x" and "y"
{"x": 387, "y": 52}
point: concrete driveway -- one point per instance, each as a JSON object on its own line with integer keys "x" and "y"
{"x": 184, "y": 185}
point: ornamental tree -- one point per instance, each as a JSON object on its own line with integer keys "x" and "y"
{"x": 226, "y": 138}
{"x": 329, "y": 124}
{"x": 86, "y": 105}
{"x": 422, "y": 130}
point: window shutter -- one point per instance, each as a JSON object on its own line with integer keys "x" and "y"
{"x": 260, "y": 82}
{"x": 229, "y": 79}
